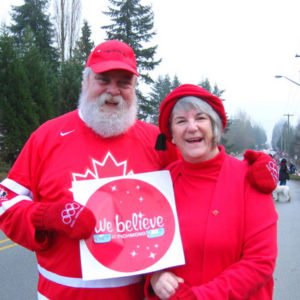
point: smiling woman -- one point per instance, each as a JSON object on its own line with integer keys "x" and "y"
{"x": 196, "y": 129}
{"x": 218, "y": 210}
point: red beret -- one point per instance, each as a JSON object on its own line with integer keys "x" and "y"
{"x": 170, "y": 100}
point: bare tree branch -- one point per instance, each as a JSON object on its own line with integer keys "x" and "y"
{"x": 67, "y": 14}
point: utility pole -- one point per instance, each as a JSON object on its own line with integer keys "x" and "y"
{"x": 288, "y": 133}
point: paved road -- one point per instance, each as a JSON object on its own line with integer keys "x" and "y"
{"x": 287, "y": 274}
{"x": 18, "y": 273}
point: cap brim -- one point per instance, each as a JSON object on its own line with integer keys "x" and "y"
{"x": 112, "y": 65}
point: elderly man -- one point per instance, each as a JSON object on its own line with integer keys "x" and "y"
{"x": 101, "y": 139}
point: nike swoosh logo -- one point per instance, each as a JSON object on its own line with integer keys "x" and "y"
{"x": 64, "y": 133}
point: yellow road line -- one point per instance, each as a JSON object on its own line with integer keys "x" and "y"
{"x": 7, "y": 246}
{"x": 4, "y": 241}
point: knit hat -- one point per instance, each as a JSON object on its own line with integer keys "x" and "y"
{"x": 112, "y": 55}
{"x": 169, "y": 102}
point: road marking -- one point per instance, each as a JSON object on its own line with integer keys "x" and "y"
{"x": 8, "y": 246}
{"x": 9, "y": 243}
{"x": 4, "y": 241}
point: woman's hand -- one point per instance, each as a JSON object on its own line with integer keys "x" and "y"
{"x": 164, "y": 284}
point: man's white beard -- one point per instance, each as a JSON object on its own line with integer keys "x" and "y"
{"x": 108, "y": 123}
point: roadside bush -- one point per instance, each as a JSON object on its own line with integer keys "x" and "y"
{"x": 294, "y": 177}
{"x": 4, "y": 167}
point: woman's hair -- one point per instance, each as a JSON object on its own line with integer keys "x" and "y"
{"x": 283, "y": 161}
{"x": 191, "y": 102}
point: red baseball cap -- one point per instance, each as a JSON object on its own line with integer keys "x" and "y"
{"x": 112, "y": 55}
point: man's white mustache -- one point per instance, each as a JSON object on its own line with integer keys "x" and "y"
{"x": 108, "y": 98}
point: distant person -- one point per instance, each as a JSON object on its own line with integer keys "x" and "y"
{"x": 292, "y": 168}
{"x": 283, "y": 172}
{"x": 228, "y": 229}
{"x": 37, "y": 209}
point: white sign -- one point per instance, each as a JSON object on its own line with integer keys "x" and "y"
{"x": 137, "y": 228}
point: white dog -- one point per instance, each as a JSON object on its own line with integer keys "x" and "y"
{"x": 282, "y": 193}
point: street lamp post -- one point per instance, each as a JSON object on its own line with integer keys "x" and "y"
{"x": 291, "y": 80}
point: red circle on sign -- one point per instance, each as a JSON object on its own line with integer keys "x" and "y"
{"x": 135, "y": 225}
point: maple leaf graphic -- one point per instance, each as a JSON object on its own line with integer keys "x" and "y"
{"x": 109, "y": 167}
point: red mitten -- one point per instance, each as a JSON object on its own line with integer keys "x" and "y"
{"x": 68, "y": 217}
{"x": 184, "y": 292}
{"x": 263, "y": 171}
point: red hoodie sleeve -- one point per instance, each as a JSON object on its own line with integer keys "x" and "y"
{"x": 16, "y": 202}
{"x": 16, "y": 224}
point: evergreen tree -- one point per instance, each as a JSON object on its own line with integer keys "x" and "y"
{"x": 216, "y": 91}
{"x": 238, "y": 136}
{"x": 244, "y": 134}
{"x": 30, "y": 89}
{"x": 70, "y": 85}
{"x": 159, "y": 90}
{"x": 34, "y": 34}
{"x": 16, "y": 109}
{"x": 41, "y": 82}
{"x": 295, "y": 144}
{"x": 33, "y": 14}
{"x": 260, "y": 137}
{"x": 175, "y": 82}
{"x": 71, "y": 71}
{"x": 276, "y": 141}
{"x": 132, "y": 23}
{"x": 84, "y": 45}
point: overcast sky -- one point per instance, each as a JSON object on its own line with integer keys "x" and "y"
{"x": 238, "y": 44}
